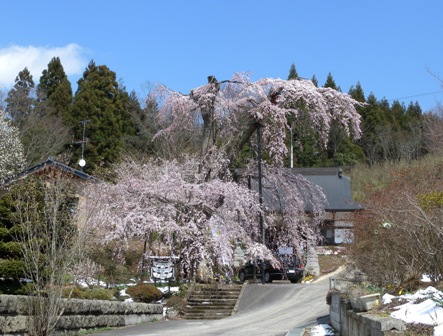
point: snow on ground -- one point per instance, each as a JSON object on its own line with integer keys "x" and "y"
{"x": 322, "y": 330}
{"x": 428, "y": 310}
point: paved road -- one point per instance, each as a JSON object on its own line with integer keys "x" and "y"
{"x": 274, "y": 309}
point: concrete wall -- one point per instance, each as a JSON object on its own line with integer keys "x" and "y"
{"x": 78, "y": 314}
{"x": 350, "y": 323}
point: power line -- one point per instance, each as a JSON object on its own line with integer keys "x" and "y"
{"x": 417, "y": 95}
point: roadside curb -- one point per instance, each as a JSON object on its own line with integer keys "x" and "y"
{"x": 235, "y": 309}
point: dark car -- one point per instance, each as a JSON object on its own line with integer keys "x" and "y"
{"x": 271, "y": 273}
{"x": 290, "y": 269}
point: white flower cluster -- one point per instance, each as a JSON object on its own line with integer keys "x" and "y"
{"x": 11, "y": 149}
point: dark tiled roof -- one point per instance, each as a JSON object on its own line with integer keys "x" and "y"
{"x": 335, "y": 186}
{"x": 50, "y": 162}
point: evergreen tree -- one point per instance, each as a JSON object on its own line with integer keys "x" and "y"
{"x": 11, "y": 263}
{"x": 373, "y": 119}
{"x": 293, "y": 72}
{"x": 55, "y": 89}
{"x": 357, "y": 93}
{"x": 19, "y": 101}
{"x": 131, "y": 111}
{"x": 314, "y": 80}
{"x": 98, "y": 102}
{"x": 139, "y": 137}
{"x": 397, "y": 115}
{"x": 330, "y": 83}
{"x": 413, "y": 112}
{"x": 40, "y": 122}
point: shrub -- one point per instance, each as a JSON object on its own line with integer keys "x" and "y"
{"x": 399, "y": 233}
{"x": 11, "y": 268}
{"x": 88, "y": 293}
{"x": 144, "y": 293}
{"x": 183, "y": 290}
{"x": 73, "y": 293}
{"x": 13, "y": 287}
{"x": 98, "y": 294}
{"x": 177, "y": 303}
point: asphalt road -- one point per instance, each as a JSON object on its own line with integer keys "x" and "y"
{"x": 280, "y": 308}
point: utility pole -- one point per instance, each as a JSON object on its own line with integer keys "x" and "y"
{"x": 82, "y": 161}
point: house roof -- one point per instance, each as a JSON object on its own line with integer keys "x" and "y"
{"x": 50, "y": 163}
{"x": 334, "y": 185}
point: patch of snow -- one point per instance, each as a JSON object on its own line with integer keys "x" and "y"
{"x": 426, "y": 312}
{"x": 438, "y": 330}
{"x": 425, "y": 278}
{"x": 171, "y": 289}
{"x": 387, "y": 298}
{"x": 322, "y": 330}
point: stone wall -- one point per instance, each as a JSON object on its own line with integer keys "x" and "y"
{"x": 350, "y": 323}
{"x": 78, "y": 314}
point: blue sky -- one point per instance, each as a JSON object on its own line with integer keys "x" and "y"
{"x": 393, "y": 48}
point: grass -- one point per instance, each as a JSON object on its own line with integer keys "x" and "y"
{"x": 330, "y": 262}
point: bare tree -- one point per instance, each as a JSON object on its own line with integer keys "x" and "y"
{"x": 399, "y": 234}
{"x": 52, "y": 239}
{"x": 43, "y": 136}
{"x": 433, "y": 130}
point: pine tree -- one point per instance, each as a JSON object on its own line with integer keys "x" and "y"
{"x": 314, "y": 80}
{"x": 413, "y": 112}
{"x": 98, "y": 102}
{"x": 11, "y": 263}
{"x": 143, "y": 125}
{"x": 397, "y": 115}
{"x": 330, "y": 83}
{"x": 55, "y": 89}
{"x": 357, "y": 93}
{"x": 293, "y": 72}
{"x": 19, "y": 101}
{"x": 340, "y": 150}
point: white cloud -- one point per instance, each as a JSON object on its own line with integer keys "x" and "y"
{"x": 15, "y": 58}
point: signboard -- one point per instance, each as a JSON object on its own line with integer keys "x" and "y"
{"x": 282, "y": 250}
{"x": 162, "y": 268}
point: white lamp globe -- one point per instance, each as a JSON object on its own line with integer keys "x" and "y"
{"x": 82, "y": 163}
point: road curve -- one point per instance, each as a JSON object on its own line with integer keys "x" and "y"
{"x": 274, "y": 309}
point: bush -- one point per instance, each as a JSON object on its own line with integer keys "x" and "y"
{"x": 144, "y": 293}
{"x": 89, "y": 293}
{"x": 13, "y": 287}
{"x": 177, "y": 303}
{"x": 73, "y": 293}
{"x": 183, "y": 290}
{"x": 98, "y": 294}
{"x": 11, "y": 268}
{"x": 398, "y": 235}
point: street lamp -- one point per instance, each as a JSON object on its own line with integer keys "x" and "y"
{"x": 82, "y": 161}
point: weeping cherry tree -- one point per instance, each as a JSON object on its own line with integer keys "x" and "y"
{"x": 193, "y": 203}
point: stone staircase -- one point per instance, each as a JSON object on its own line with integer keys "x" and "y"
{"x": 212, "y": 301}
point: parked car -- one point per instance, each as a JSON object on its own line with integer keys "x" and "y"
{"x": 291, "y": 269}
{"x": 271, "y": 273}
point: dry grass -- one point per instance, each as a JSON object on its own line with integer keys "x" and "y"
{"x": 331, "y": 262}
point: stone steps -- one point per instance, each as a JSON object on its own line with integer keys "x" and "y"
{"x": 212, "y": 302}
